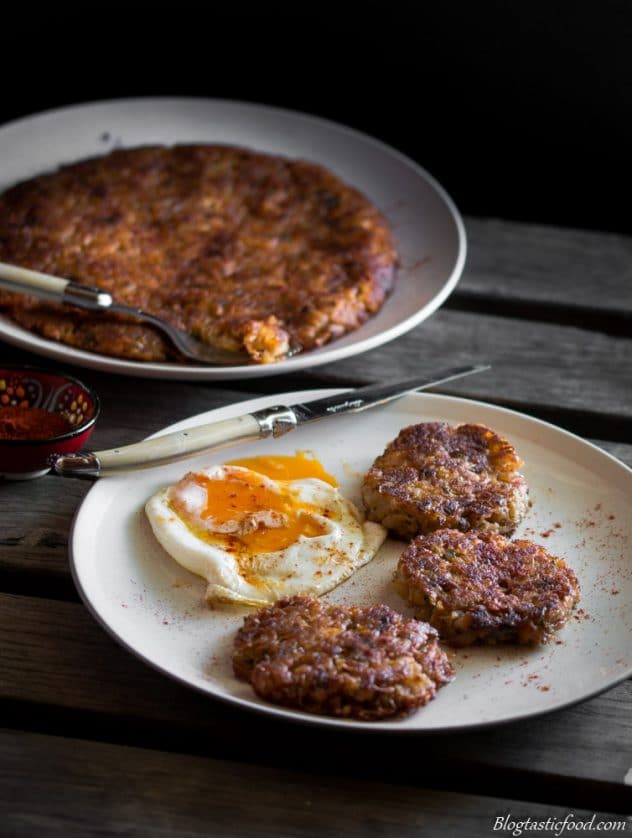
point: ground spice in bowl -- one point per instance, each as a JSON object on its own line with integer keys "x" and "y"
{"x": 43, "y": 414}
{"x": 31, "y": 423}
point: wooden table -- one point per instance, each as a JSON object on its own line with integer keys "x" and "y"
{"x": 96, "y": 743}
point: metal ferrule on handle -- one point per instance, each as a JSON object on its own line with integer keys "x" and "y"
{"x": 85, "y": 297}
{"x": 169, "y": 448}
{"x": 272, "y": 421}
{"x": 276, "y": 421}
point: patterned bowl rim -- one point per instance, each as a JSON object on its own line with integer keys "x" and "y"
{"x": 76, "y": 431}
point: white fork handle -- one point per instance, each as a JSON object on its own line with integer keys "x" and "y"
{"x": 26, "y": 281}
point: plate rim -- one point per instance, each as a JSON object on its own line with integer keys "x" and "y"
{"x": 118, "y": 366}
{"x": 288, "y": 715}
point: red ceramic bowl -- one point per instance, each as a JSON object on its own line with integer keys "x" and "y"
{"x": 54, "y": 392}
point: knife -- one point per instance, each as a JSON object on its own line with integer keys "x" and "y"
{"x": 269, "y": 422}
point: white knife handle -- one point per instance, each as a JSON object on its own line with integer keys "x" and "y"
{"x": 162, "y": 449}
{"x": 169, "y": 448}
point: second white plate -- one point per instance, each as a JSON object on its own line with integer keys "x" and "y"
{"x": 581, "y": 498}
{"x": 427, "y": 225}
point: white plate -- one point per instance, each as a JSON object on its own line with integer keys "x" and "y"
{"x": 427, "y": 225}
{"x": 581, "y": 498}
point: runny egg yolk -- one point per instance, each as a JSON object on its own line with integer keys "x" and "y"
{"x": 242, "y": 497}
{"x": 287, "y": 467}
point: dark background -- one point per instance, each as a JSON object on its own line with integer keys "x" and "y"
{"x": 521, "y": 109}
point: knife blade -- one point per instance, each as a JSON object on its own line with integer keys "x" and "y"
{"x": 261, "y": 424}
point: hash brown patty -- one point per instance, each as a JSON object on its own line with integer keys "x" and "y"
{"x": 484, "y": 588}
{"x": 242, "y": 249}
{"x": 435, "y": 475}
{"x": 359, "y": 663}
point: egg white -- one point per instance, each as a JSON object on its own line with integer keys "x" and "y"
{"x": 312, "y": 565}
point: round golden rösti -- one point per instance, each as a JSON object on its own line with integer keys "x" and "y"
{"x": 245, "y": 250}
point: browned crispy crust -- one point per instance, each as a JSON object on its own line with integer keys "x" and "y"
{"x": 434, "y": 475}
{"x": 244, "y": 250}
{"x": 359, "y": 663}
{"x": 484, "y": 588}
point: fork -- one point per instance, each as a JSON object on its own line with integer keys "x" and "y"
{"x": 25, "y": 281}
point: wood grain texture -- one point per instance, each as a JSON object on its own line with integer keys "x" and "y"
{"x": 132, "y": 408}
{"x": 530, "y": 263}
{"x": 619, "y": 450}
{"x": 62, "y": 787}
{"x": 534, "y": 365}
{"x": 522, "y": 288}
{"x": 38, "y": 515}
{"x": 54, "y": 653}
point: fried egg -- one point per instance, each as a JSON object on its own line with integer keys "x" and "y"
{"x": 256, "y": 537}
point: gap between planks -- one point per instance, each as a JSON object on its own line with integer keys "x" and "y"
{"x": 62, "y": 674}
{"x": 346, "y": 759}
{"x": 34, "y": 541}
{"x": 617, "y": 324}
{"x": 68, "y": 787}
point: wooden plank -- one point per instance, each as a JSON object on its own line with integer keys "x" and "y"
{"x": 37, "y": 513}
{"x": 63, "y": 787}
{"x": 535, "y": 365}
{"x": 530, "y": 263}
{"x": 619, "y": 450}
{"x": 54, "y": 654}
{"x": 133, "y": 408}
{"x": 37, "y": 516}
